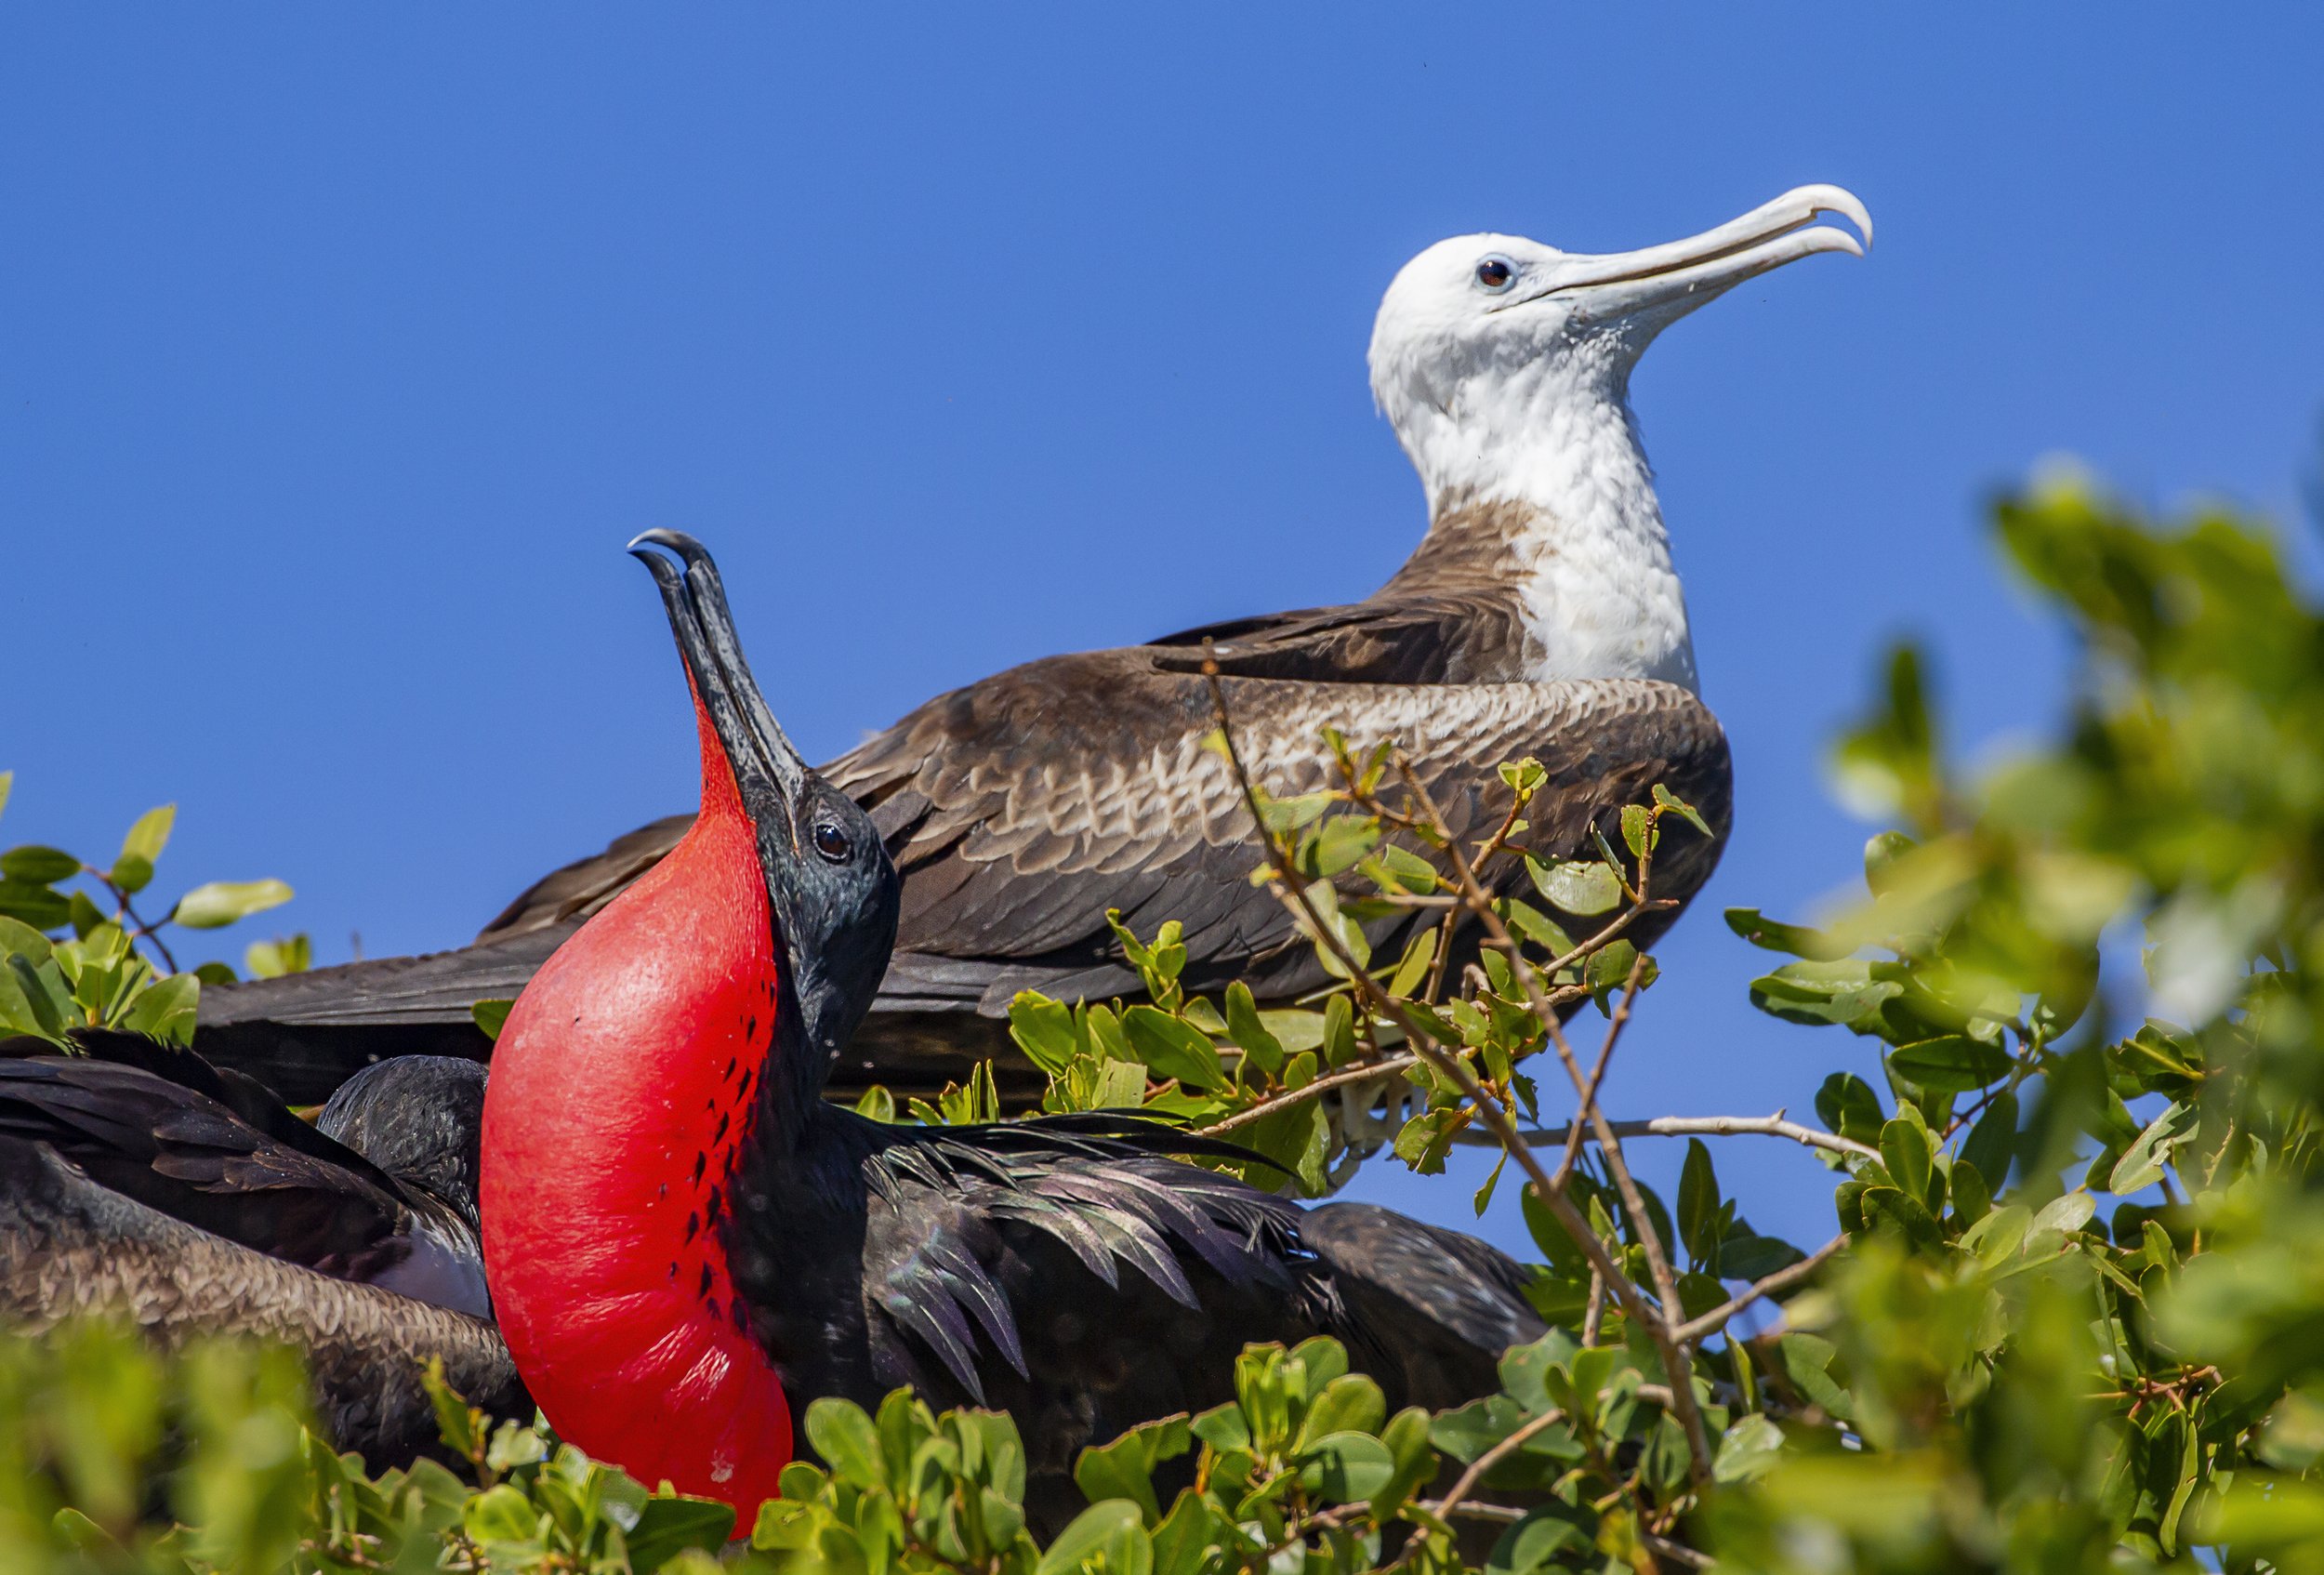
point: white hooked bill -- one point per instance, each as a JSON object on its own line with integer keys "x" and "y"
{"x": 1504, "y": 367}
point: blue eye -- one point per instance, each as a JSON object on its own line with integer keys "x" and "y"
{"x": 1496, "y": 273}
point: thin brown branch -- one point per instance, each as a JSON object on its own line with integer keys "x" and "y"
{"x": 1385, "y": 1065}
{"x": 1516, "y": 1440}
{"x": 1588, "y": 1100}
{"x": 1695, "y": 1330}
{"x": 1776, "y": 1125}
{"x": 1677, "y": 1553}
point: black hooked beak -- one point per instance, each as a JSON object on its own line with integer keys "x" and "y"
{"x": 763, "y": 761}
{"x": 832, "y": 890}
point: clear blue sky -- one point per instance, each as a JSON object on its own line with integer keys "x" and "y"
{"x": 342, "y": 347}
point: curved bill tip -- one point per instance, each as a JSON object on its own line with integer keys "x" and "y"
{"x": 688, "y": 549}
{"x": 1823, "y": 199}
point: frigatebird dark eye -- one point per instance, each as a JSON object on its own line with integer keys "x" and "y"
{"x": 831, "y": 843}
{"x": 1497, "y": 273}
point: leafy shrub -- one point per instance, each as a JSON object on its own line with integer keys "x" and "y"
{"x": 2072, "y": 1315}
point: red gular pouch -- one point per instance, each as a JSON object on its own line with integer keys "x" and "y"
{"x": 623, "y": 1085}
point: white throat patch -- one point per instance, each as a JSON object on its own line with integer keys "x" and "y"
{"x": 1555, "y": 435}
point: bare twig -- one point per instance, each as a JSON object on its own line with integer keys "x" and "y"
{"x": 1517, "y": 1440}
{"x": 138, "y": 929}
{"x": 1677, "y": 1553}
{"x": 1721, "y": 1126}
{"x": 1701, "y": 1328}
{"x": 1384, "y": 1067}
{"x": 1588, "y": 1100}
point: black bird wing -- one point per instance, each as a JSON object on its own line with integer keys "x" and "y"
{"x": 1074, "y": 1271}
{"x": 216, "y": 1150}
{"x": 70, "y": 1246}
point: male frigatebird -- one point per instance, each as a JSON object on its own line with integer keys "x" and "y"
{"x": 1540, "y": 615}
{"x": 686, "y": 1243}
{"x": 138, "y": 1182}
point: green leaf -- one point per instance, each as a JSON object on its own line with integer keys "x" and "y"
{"x": 1880, "y": 853}
{"x": 1418, "y": 954}
{"x": 1608, "y": 971}
{"x": 2143, "y": 1162}
{"x": 1579, "y": 888}
{"x": 1124, "y": 1469}
{"x": 1951, "y": 1064}
{"x": 1559, "y": 1249}
{"x": 1805, "y": 1360}
{"x": 1531, "y": 924}
{"x": 216, "y": 904}
{"x": 1525, "y": 775}
{"x": 1109, "y": 1536}
{"x": 1970, "y": 1199}
{"x": 1423, "y": 1141}
{"x": 1337, "y": 844}
{"x": 2067, "y": 1214}
{"x": 666, "y": 1526}
{"x": 1044, "y": 1029}
{"x": 166, "y": 1011}
{"x": 149, "y": 834}
{"x": 1347, "y": 1467}
{"x": 1841, "y": 992}
{"x": 1993, "y": 1140}
{"x": 500, "y": 1514}
{"x": 36, "y": 905}
{"x": 1540, "y": 1540}
{"x": 34, "y": 997}
{"x": 1468, "y": 1431}
{"x": 1905, "y": 1151}
{"x": 37, "y": 865}
{"x": 1184, "y": 1544}
{"x": 1397, "y": 868}
{"x": 132, "y": 873}
{"x": 8, "y": 783}
{"x": 1248, "y": 1029}
{"x": 489, "y": 1015}
{"x": 1294, "y": 1028}
{"x": 1349, "y": 1403}
{"x": 1749, "y": 1451}
{"x": 1755, "y": 1257}
{"x": 20, "y": 939}
{"x": 1408, "y": 1441}
{"x": 1698, "y": 1201}
{"x": 1846, "y": 1104}
{"x": 1636, "y": 824}
{"x": 1172, "y": 1049}
{"x": 1483, "y": 1197}
{"x": 843, "y": 1435}
{"x": 1290, "y": 814}
{"x": 1676, "y": 805}
{"x": 282, "y": 957}
{"x": 1797, "y": 940}
{"x": 1902, "y": 1212}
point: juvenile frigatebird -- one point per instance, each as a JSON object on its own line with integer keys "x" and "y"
{"x": 138, "y": 1182}
{"x": 1541, "y": 614}
{"x": 686, "y": 1243}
